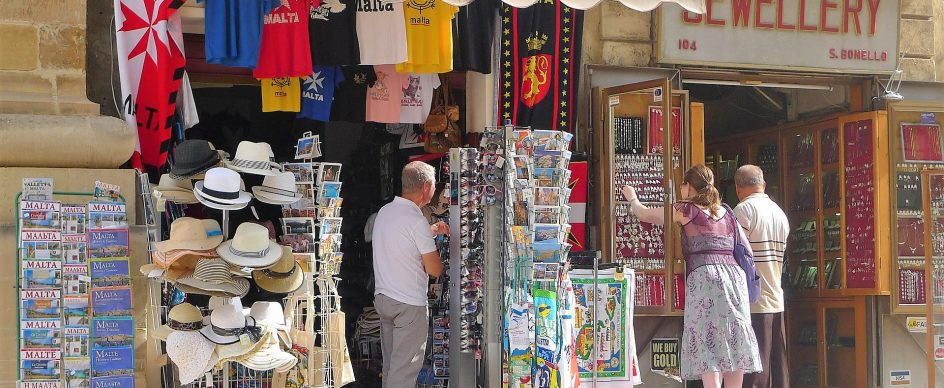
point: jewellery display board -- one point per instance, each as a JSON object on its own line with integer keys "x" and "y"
{"x": 626, "y": 117}
{"x": 932, "y": 189}
{"x": 915, "y": 145}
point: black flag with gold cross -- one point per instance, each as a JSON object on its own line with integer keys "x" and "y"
{"x": 540, "y": 62}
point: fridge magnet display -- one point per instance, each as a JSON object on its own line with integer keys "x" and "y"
{"x": 329, "y": 172}
{"x": 41, "y": 304}
{"x": 76, "y": 311}
{"x": 105, "y": 244}
{"x": 112, "y": 362}
{"x": 36, "y": 215}
{"x": 37, "y": 189}
{"x": 921, "y": 143}
{"x": 110, "y": 273}
{"x": 304, "y": 172}
{"x": 111, "y": 303}
{"x": 41, "y": 274}
{"x": 112, "y": 333}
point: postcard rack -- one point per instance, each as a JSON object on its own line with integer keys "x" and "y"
{"x": 57, "y": 347}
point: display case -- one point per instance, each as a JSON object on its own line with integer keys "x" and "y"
{"x": 916, "y": 146}
{"x": 827, "y": 343}
{"x": 632, "y": 147}
{"x": 761, "y": 148}
{"x": 932, "y": 189}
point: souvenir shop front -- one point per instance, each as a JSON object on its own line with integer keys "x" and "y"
{"x": 843, "y": 154}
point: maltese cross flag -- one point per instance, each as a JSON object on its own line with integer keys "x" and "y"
{"x": 151, "y": 65}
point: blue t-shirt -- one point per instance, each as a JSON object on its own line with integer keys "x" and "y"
{"x": 318, "y": 92}
{"x": 234, "y": 30}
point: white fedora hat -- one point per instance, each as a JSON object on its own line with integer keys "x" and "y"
{"x": 253, "y": 158}
{"x": 250, "y": 247}
{"x": 191, "y": 352}
{"x": 212, "y": 277}
{"x": 227, "y": 323}
{"x": 278, "y": 189}
{"x": 271, "y": 316}
{"x": 222, "y": 189}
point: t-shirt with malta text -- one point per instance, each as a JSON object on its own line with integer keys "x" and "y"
{"x": 318, "y": 92}
{"x": 383, "y": 99}
{"x": 401, "y": 237}
{"x": 381, "y": 33}
{"x": 332, "y": 30}
{"x": 350, "y": 99}
{"x": 280, "y": 94}
{"x": 417, "y": 97}
{"x": 428, "y": 36}
{"x": 285, "y": 51}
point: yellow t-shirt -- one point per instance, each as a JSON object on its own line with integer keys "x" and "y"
{"x": 281, "y": 94}
{"x": 428, "y": 36}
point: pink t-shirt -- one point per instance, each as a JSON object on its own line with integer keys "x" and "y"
{"x": 383, "y": 99}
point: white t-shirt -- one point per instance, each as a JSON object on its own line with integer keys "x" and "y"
{"x": 417, "y": 97}
{"x": 767, "y": 228}
{"x": 381, "y": 32}
{"x": 401, "y": 236}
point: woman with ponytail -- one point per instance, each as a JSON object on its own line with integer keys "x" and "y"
{"x": 718, "y": 342}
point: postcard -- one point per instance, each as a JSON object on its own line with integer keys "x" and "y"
{"x": 73, "y": 219}
{"x": 76, "y": 311}
{"x": 35, "y": 215}
{"x": 308, "y": 147}
{"x": 41, "y": 304}
{"x": 77, "y": 345}
{"x": 296, "y": 225}
{"x": 46, "y": 369}
{"x": 547, "y": 252}
{"x": 75, "y": 280}
{"x": 110, "y": 273}
{"x": 74, "y": 249}
{"x": 78, "y": 372}
{"x": 41, "y": 250}
{"x": 300, "y": 242}
{"x": 111, "y": 303}
{"x": 304, "y": 172}
{"x": 547, "y": 196}
{"x": 107, "y": 215}
{"x": 547, "y": 233}
{"x": 112, "y": 333}
{"x": 329, "y": 172}
{"x": 112, "y": 362}
{"x": 41, "y": 274}
{"x": 548, "y": 160}
{"x": 550, "y": 177}
{"x": 330, "y": 225}
{"x": 295, "y": 211}
{"x": 40, "y": 338}
{"x": 521, "y": 214}
{"x": 113, "y": 382}
{"x": 105, "y": 244}
{"x": 330, "y": 190}
{"x": 547, "y": 214}
{"x": 37, "y": 189}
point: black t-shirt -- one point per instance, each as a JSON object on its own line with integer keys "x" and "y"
{"x": 472, "y": 33}
{"x": 332, "y": 33}
{"x": 350, "y": 98}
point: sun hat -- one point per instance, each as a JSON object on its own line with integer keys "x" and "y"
{"x": 175, "y": 190}
{"x": 191, "y": 352}
{"x": 182, "y": 317}
{"x": 212, "y": 277}
{"x": 271, "y": 317}
{"x": 253, "y": 158}
{"x": 180, "y": 258}
{"x": 250, "y": 247}
{"x": 222, "y": 189}
{"x": 268, "y": 356}
{"x": 283, "y": 277}
{"x": 227, "y": 324}
{"x": 218, "y": 301}
{"x": 192, "y": 157}
{"x": 192, "y": 234}
{"x": 278, "y": 189}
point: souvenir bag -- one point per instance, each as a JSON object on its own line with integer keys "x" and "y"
{"x": 745, "y": 258}
{"x": 442, "y": 128}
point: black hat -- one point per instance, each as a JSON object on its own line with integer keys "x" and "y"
{"x": 192, "y": 157}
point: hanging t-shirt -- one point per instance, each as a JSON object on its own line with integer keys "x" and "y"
{"x": 381, "y": 33}
{"x": 472, "y": 41}
{"x": 428, "y": 36}
{"x": 350, "y": 99}
{"x": 332, "y": 31}
{"x": 280, "y": 94}
{"x": 417, "y": 97}
{"x": 285, "y": 51}
{"x": 234, "y": 31}
{"x": 318, "y": 92}
{"x": 383, "y": 99}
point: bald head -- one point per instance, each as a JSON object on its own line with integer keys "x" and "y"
{"x": 749, "y": 179}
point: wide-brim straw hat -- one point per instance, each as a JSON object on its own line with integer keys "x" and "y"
{"x": 175, "y": 190}
{"x": 182, "y": 317}
{"x": 283, "y": 277}
{"x": 213, "y": 276}
{"x": 192, "y": 234}
{"x": 268, "y": 356}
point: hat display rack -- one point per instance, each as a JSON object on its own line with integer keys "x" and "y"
{"x": 298, "y": 345}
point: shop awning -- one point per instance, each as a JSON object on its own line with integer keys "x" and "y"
{"x": 697, "y": 6}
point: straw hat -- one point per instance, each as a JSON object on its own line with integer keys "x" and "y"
{"x": 253, "y": 158}
{"x": 250, "y": 247}
{"x": 283, "y": 277}
{"x": 212, "y": 277}
{"x": 188, "y": 233}
{"x": 277, "y": 189}
{"x": 222, "y": 189}
{"x": 191, "y": 352}
{"x": 218, "y": 301}
{"x": 182, "y": 317}
{"x": 268, "y": 356}
{"x": 271, "y": 317}
{"x": 175, "y": 190}
{"x": 227, "y": 324}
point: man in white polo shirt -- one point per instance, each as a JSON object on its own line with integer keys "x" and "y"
{"x": 767, "y": 228}
{"x": 405, "y": 256}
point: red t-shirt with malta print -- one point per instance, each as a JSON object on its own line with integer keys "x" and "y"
{"x": 285, "y": 51}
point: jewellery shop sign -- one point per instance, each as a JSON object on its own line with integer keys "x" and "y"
{"x": 835, "y": 36}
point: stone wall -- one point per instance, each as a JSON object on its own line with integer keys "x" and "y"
{"x": 921, "y": 40}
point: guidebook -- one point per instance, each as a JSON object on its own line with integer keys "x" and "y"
{"x": 112, "y": 333}
{"x": 105, "y": 244}
{"x": 111, "y": 303}
{"x": 110, "y": 273}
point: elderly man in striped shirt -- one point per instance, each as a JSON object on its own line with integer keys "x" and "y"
{"x": 766, "y": 227}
